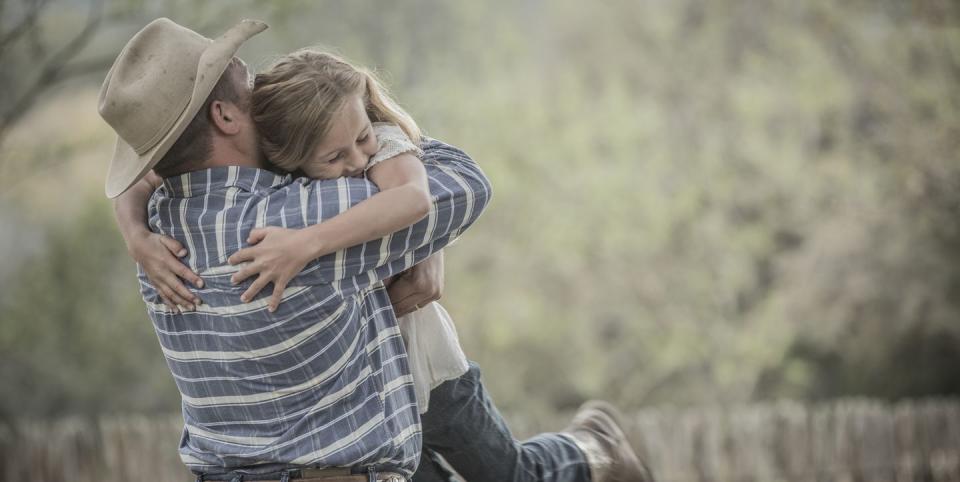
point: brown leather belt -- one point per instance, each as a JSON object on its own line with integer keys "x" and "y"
{"x": 334, "y": 475}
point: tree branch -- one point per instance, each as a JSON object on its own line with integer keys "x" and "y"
{"x": 55, "y": 69}
{"x": 28, "y": 23}
{"x": 85, "y": 67}
{"x": 35, "y": 43}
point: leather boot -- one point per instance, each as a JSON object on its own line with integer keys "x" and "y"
{"x": 599, "y": 433}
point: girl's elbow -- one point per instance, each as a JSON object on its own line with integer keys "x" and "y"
{"x": 423, "y": 202}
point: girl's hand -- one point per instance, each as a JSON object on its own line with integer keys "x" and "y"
{"x": 159, "y": 256}
{"x": 277, "y": 256}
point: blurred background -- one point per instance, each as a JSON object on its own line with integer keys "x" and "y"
{"x": 695, "y": 202}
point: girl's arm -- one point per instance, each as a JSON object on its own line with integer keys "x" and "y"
{"x": 158, "y": 255}
{"x": 404, "y": 199}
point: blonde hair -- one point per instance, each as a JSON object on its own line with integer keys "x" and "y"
{"x": 295, "y": 99}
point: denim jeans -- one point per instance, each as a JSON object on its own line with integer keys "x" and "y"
{"x": 464, "y": 427}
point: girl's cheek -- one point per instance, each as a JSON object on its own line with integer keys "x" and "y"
{"x": 371, "y": 147}
{"x": 311, "y": 170}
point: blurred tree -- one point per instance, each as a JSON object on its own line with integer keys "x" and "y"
{"x": 44, "y": 43}
{"x": 691, "y": 205}
{"x": 35, "y": 61}
{"x": 74, "y": 338}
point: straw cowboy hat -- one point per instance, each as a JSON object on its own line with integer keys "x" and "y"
{"x": 156, "y": 86}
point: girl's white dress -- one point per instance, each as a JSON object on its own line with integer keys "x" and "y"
{"x": 433, "y": 348}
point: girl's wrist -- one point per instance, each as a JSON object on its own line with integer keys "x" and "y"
{"x": 315, "y": 242}
{"x": 135, "y": 241}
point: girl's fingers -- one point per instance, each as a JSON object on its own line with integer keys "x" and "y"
{"x": 245, "y": 254}
{"x": 180, "y": 290}
{"x": 179, "y": 294}
{"x": 257, "y": 235}
{"x": 244, "y": 273}
{"x": 166, "y": 301}
{"x": 258, "y": 284}
{"x": 174, "y": 246}
{"x": 174, "y": 298}
{"x": 278, "y": 288}
{"x": 186, "y": 273}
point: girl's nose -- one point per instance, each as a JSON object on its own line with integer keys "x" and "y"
{"x": 357, "y": 163}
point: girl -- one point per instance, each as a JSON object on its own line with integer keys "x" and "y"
{"x": 319, "y": 115}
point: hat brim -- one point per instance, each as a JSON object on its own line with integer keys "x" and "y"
{"x": 128, "y": 167}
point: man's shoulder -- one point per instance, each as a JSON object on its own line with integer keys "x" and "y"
{"x": 234, "y": 195}
{"x": 434, "y": 150}
{"x": 216, "y": 179}
{"x": 239, "y": 181}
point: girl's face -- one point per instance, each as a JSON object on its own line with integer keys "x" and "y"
{"x": 348, "y": 145}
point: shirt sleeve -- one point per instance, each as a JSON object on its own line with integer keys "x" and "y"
{"x": 459, "y": 191}
{"x": 391, "y": 141}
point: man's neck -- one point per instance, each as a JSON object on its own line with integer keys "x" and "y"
{"x": 233, "y": 157}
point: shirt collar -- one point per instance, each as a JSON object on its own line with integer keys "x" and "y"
{"x": 200, "y": 182}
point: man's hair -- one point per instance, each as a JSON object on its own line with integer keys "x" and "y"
{"x": 193, "y": 147}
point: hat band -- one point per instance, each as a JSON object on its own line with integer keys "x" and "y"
{"x": 145, "y": 147}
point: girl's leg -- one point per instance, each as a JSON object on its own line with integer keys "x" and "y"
{"x": 464, "y": 426}
{"x": 431, "y": 470}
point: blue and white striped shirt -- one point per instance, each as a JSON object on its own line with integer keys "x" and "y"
{"x": 323, "y": 381}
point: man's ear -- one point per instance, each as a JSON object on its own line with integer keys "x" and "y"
{"x": 225, "y": 117}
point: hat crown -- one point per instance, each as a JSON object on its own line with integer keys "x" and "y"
{"x": 151, "y": 82}
{"x": 157, "y": 85}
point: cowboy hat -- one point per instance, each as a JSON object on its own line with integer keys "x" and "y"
{"x": 158, "y": 83}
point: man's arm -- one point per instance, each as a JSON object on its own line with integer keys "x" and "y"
{"x": 417, "y": 286}
{"x": 158, "y": 255}
{"x": 459, "y": 194}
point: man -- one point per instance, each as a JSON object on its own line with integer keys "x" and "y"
{"x": 318, "y": 389}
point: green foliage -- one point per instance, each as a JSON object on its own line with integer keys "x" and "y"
{"x": 75, "y": 335}
{"x": 694, "y": 202}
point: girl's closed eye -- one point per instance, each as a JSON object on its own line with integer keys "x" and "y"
{"x": 290, "y": 110}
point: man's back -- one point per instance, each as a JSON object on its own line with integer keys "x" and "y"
{"x": 323, "y": 380}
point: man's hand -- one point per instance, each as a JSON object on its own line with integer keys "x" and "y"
{"x": 417, "y": 286}
{"x": 159, "y": 256}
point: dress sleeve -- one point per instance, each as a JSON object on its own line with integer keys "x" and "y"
{"x": 392, "y": 141}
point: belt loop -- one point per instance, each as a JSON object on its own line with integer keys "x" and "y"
{"x": 371, "y": 475}
{"x": 285, "y": 476}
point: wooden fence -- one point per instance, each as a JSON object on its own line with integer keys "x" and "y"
{"x": 844, "y": 440}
